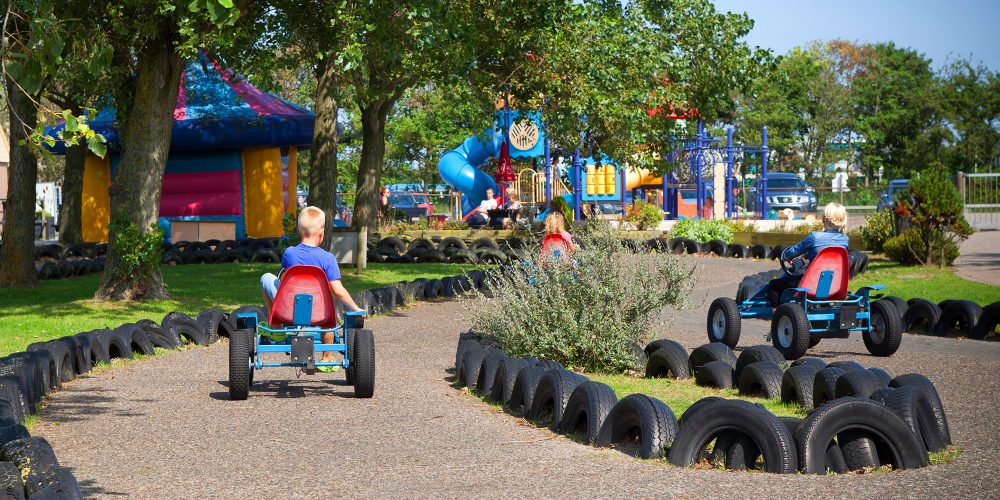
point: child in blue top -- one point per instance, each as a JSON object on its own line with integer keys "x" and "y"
{"x": 834, "y": 222}
{"x": 311, "y": 227}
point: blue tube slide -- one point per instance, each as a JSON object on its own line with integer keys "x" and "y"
{"x": 460, "y": 168}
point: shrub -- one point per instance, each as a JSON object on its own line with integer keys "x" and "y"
{"x": 878, "y": 229}
{"x": 643, "y": 215}
{"x": 905, "y": 247}
{"x": 703, "y": 230}
{"x": 934, "y": 208}
{"x": 591, "y": 311}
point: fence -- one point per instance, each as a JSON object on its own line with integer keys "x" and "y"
{"x": 981, "y": 195}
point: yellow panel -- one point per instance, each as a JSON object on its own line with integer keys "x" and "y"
{"x": 293, "y": 179}
{"x": 95, "y": 209}
{"x": 263, "y": 205}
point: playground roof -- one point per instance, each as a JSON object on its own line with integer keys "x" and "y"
{"x": 219, "y": 109}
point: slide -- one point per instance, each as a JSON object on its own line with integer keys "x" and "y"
{"x": 641, "y": 177}
{"x": 460, "y": 168}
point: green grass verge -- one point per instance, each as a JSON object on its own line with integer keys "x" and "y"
{"x": 930, "y": 283}
{"x": 63, "y": 307}
{"x": 681, "y": 394}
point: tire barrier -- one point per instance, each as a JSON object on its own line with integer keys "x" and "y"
{"x": 951, "y": 318}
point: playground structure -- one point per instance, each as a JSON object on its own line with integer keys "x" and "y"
{"x": 705, "y": 171}
{"x": 232, "y": 168}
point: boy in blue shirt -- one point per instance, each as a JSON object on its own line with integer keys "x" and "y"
{"x": 834, "y": 222}
{"x": 311, "y": 227}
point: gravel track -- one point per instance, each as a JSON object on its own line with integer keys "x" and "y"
{"x": 163, "y": 428}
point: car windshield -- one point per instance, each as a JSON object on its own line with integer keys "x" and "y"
{"x": 785, "y": 184}
{"x": 402, "y": 200}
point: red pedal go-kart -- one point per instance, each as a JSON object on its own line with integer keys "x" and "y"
{"x": 302, "y": 311}
{"x": 820, "y": 307}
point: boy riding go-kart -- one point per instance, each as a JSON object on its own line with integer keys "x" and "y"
{"x": 811, "y": 301}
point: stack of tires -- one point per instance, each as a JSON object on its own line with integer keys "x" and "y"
{"x": 387, "y": 299}
{"x": 483, "y": 250}
{"x": 954, "y": 318}
{"x": 911, "y": 420}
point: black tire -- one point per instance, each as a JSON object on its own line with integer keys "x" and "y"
{"x": 658, "y": 343}
{"x": 159, "y": 336}
{"x": 921, "y": 316}
{"x": 861, "y": 383}
{"x": 35, "y": 459}
{"x": 913, "y": 406}
{"x": 503, "y": 381}
{"x": 241, "y": 345}
{"x": 924, "y": 384}
{"x": 818, "y": 363}
{"x": 989, "y": 322}
{"x": 886, "y": 329}
{"x": 760, "y": 251}
{"x": 80, "y": 349}
{"x": 896, "y": 301}
{"x": 462, "y": 256}
{"x": 790, "y": 331}
{"x": 717, "y": 247}
{"x": 738, "y": 251}
{"x": 894, "y": 440}
{"x": 677, "y": 247}
{"x": 776, "y": 252}
{"x": 12, "y": 393}
{"x": 716, "y": 374}
{"x": 522, "y": 393}
{"x": 63, "y": 356}
{"x": 745, "y": 291}
{"x": 797, "y": 385}
{"x": 138, "y": 339}
{"x": 692, "y": 247}
{"x": 670, "y": 361}
{"x": 757, "y": 353}
{"x": 724, "y": 322}
{"x": 215, "y": 324}
{"x": 825, "y": 385}
{"x": 451, "y": 242}
{"x": 115, "y": 344}
{"x": 433, "y": 256}
{"x": 847, "y": 365}
{"x": 488, "y": 373}
{"x": 364, "y": 361}
{"x": 858, "y": 450}
{"x": 587, "y": 409}
{"x": 488, "y": 255}
{"x": 472, "y": 363}
{"x": 483, "y": 242}
{"x": 393, "y": 243}
{"x": 464, "y": 344}
{"x": 11, "y": 484}
{"x": 742, "y": 454}
{"x": 762, "y": 378}
{"x": 551, "y": 395}
{"x": 708, "y": 353}
{"x": 421, "y": 243}
{"x": 769, "y": 434}
{"x": 433, "y": 289}
{"x": 958, "y": 318}
{"x": 187, "y": 328}
{"x": 350, "y": 373}
{"x": 646, "y": 419}
{"x": 267, "y": 255}
{"x": 695, "y": 408}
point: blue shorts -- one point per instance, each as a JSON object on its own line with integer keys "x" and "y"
{"x": 269, "y": 283}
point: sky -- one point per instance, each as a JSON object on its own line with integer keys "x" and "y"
{"x": 937, "y": 29}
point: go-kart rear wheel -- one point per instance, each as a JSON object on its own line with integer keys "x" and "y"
{"x": 240, "y": 364}
{"x": 885, "y": 329}
{"x": 364, "y": 364}
{"x": 351, "y": 370}
{"x": 724, "y": 322}
{"x": 790, "y": 331}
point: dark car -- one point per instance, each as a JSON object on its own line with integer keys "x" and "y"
{"x": 411, "y": 204}
{"x": 785, "y": 190}
{"x": 888, "y": 195}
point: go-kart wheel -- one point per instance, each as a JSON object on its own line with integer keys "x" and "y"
{"x": 364, "y": 363}
{"x": 885, "y": 329}
{"x": 790, "y": 330}
{"x": 724, "y": 322}
{"x": 814, "y": 339}
{"x": 351, "y": 370}
{"x": 240, "y": 364}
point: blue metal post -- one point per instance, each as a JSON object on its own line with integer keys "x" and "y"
{"x": 763, "y": 171}
{"x": 729, "y": 173}
{"x": 697, "y": 164}
{"x": 548, "y": 173}
{"x": 576, "y": 184}
{"x": 666, "y": 207}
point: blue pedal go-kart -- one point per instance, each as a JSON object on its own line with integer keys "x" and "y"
{"x": 302, "y": 312}
{"x": 820, "y": 307}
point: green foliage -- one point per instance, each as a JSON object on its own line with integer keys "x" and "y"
{"x": 138, "y": 251}
{"x": 591, "y": 311}
{"x": 702, "y": 230}
{"x": 935, "y": 208}
{"x": 909, "y": 249}
{"x": 878, "y": 229}
{"x": 644, "y": 215}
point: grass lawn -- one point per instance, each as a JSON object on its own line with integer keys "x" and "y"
{"x": 930, "y": 283}
{"x": 63, "y": 307}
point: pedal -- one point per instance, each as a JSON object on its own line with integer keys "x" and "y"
{"x": 303, "y": 351}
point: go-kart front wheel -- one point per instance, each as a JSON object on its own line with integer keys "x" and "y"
{"x": 241, "y": 344}
{"x": 364, "y": 364}
{"x": 885, "y": 329}
{"x": 724, "y": 322}
{"x": 790, "y": 331}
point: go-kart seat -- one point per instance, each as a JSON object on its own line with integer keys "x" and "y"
{"x": 556, "y": 245}
{"x": 826, "y": 278}
{"x": 291, "y": 308}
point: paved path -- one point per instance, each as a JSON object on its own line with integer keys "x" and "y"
{"x": 979, "y": 258}
{"x": 163, "y": 428}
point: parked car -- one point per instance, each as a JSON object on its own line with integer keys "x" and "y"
{"x": 785, "y": 190}
{"x": 888, "y": 195}
{"x": 412, "y": 204}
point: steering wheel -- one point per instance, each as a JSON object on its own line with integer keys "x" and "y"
{"x": 792, "y": 267}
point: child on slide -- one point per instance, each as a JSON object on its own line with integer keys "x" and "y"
{"x": 311, "y": 228}
{"x": 834, "y": 222}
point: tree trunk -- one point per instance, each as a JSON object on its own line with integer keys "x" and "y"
{"x": 70, "y": 222}
{"x": 17, "y": 255}
{"x": 373, "y": 118}
{"x": 138, "y": 182}
{"x": 323, "y": 171}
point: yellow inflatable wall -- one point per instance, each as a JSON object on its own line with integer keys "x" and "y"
{"x": 95, "y": 210}
{"x": 263, "y": 206}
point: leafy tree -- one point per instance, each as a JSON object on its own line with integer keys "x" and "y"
{"x": 970, "y": 104}
{"x": 934, "y": 207}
